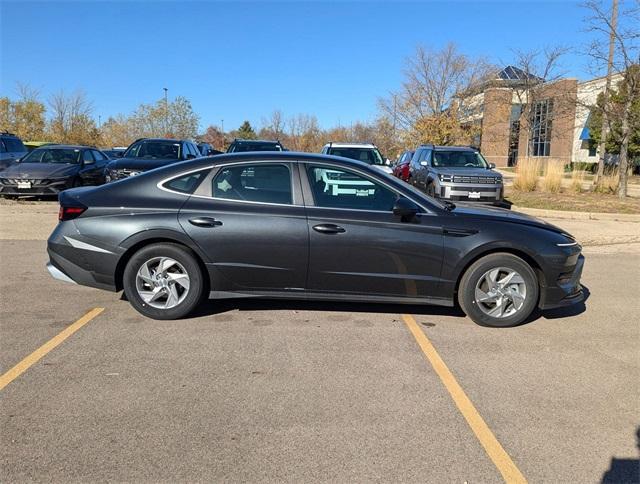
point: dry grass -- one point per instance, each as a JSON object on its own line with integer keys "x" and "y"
{"x": 583, "y": 202}
{"x": 553, "y": 176}
{"x": 577, "y": 181}
{"x": 608, "y": 183}
{"x": 527, "y": 172}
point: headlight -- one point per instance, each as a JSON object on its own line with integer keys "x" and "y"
{"x": 569, "y": 241}
{"x": 445, "y": 178}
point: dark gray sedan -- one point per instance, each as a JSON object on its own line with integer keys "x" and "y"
{"x": 303, "y": 226}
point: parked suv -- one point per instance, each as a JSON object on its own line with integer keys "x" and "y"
{"x": 365, "y": 152}
{"x": 11, "y": 149}
{"x": 456, "y": 173}
{"x": 149, "y": 153}
{"x": 242, "y": 145}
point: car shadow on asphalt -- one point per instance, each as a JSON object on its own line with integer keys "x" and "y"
{"x": 623, "y": 470}
{"x": 213, "y": 307}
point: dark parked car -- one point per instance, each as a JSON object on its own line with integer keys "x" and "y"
{"x": 278, "y": 225}
{"x": 53, "y": 168}
{"x": 115, "y": 153}
{"x": 401, "y": 168}
{"x": 244, "y": 145}
{"x": 149, "y": 153}
{"x": 207, "y": 150}
{"x": 11, "y": 149}
{"x": 456, "y": 173}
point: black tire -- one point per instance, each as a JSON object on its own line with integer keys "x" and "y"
{"x": 467, "y": 290}
{"x": 183, "y": 256}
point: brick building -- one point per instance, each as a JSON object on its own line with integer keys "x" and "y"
{"x": 519, "y": 115}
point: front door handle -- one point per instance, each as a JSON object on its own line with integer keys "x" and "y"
{"x": 329, "y": 229}
{"x": 205, "y": 222}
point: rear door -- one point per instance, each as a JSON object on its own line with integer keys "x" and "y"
{"x": 249, "y": 219}
{"x": 358, "y": 246}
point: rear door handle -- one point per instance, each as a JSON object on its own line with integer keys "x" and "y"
{"x": 205, "y": 222}
{"x": 329, "y": 229}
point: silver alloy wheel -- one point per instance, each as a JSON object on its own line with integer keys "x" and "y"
{"x": 162, "y": 282}
{"x": 501, "y": 292}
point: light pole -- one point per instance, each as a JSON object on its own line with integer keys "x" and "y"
{"x": 166, "y": 111}
{"x": 222, "y": 128}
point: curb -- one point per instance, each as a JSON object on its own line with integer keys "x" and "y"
{"x": 566, "y": 215}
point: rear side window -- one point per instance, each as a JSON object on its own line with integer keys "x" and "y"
{"x": 254, "y": 183}
{"x": 186, "y": 183}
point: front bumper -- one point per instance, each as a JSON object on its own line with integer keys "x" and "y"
{"x": 37, "y": 188}
{"x": 462, "y": 192}
{"x": 566, "y": 291}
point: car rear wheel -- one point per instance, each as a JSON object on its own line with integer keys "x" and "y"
{"x": 163, "y": 281}
{"x": 499, "y": 290}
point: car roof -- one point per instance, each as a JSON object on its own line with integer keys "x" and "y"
{"x": 350, "y": 145}
{"x": 450, "y": 148}
{"x": 162, "y": 139}
{"x": 261, "y": 141}
{"x": 67, "y": 147}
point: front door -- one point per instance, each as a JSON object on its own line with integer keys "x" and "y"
{"x": 358, "y": 246}
{"x": 251, "y": 227}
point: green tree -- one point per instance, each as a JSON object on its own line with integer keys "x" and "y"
{"x": 618, "y": 97}
{"x": 245, "y": 131}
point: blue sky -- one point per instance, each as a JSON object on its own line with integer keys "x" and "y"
{"x": 242, "y": 60}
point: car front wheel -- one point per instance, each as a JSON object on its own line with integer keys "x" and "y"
{"x": 163, "y": 281}
{"x": 498, "y": 290}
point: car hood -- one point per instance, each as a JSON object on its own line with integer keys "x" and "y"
{"x": 466, "y": 171}
{"x": 138, "y": 164}
{"x": 503, "y": 215}
{"x": 40, "y": 170}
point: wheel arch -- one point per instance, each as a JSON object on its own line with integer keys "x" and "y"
{"x": 134, "y": 244}
{"x": 528, "y": 258}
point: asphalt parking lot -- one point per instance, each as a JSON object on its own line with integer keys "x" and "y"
{"x": 291, "y": 391}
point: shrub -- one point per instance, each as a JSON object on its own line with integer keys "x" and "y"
{"x": 608, "y": 182}
{"x": 552, "y": 181}
{"x": 527, "y": 172}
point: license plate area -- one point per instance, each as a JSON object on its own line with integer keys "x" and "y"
{"x": 24, "y": 185}
{"x": 475, "y": 195}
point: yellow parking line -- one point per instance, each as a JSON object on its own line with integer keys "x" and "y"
{"x": 25, "y": 364}
{"x": 496, "y": 452}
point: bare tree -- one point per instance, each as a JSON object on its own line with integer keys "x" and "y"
{"x": 621, "y": 55}
{"x": 432, "y": 78}
{"x": 70, "y": 120}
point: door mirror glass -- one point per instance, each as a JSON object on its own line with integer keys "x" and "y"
{"x": 492, "y": 166}
{"x": 405, "y": 208}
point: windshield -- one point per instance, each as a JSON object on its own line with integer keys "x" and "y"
{"x": 239, "y": 147}
{"x": 459, "y": 159}
{"x": 368, "y": 155}
{"x": 154, "y": 150}
{"x": 44, "y": 155}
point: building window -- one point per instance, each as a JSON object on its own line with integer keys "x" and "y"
{"x": 540, "y": 133}
{"x": 593, "y": 148}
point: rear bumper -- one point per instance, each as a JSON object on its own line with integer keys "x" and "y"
{"x": 566, "y": 293}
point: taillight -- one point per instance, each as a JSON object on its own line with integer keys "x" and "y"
{"x": 69, "y": 213}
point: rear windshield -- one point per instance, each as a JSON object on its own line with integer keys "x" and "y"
{"x": 368, "y": 155}
{"x": 44, "y": 155}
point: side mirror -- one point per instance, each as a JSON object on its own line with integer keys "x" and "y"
{"x": 405, "y": 209}
{"x": 492, "y": 166}
{"x": 424, "y": 163}
{"x": 387, "y": 161}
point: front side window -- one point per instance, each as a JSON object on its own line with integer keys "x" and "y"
{"x": 44, "y": 155}
{"x": 263, "y": 183}
{"x": 459, "y": 159}
{"x": 540, "y": 131}
{"x": 14, "y": 145}
{"x": 338, "y": 188}
{"x": 155, "y": 150}
{"x": 87, "y": 157}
